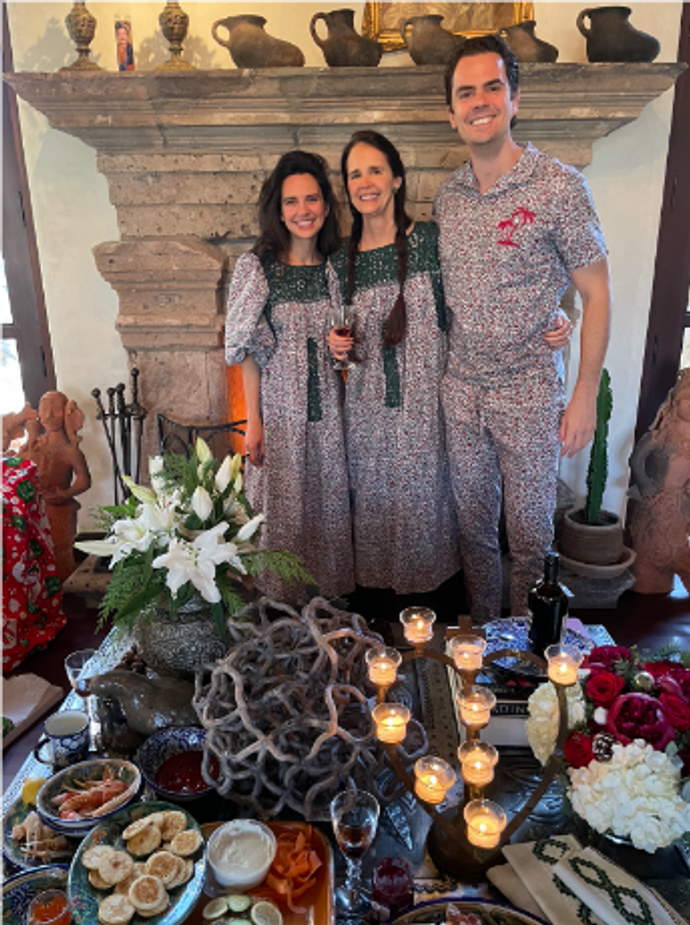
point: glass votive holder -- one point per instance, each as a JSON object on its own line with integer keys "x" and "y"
{"x": 478, "y": 760}
{"x": 418, "y": 624}
{"x": 433, "y": 779}
{"x": 392, "y": 887}
{"x": 485, "y": 823}
{"x": 382, "y": 665}
{"x": 563, "y": 663}
{"x": 391, "y": 721}
{"x": 51, "y": 907}
{"x": 467, "y": 651}
{"x": 475, "y": 707}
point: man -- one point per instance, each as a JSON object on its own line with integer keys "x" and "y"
{"x": 516, "y": 227}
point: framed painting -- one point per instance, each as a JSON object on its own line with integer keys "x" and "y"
{"x": 382, "y": 20}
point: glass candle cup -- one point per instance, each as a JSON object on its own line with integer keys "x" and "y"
{"x": 563, "y": 663}
{"x": 51, "y": 907}
{"x": 467, "y": 651}
{"x": 382, "y": 665}
{"x": 392, "y": 886}
{"x": 475, "y": 707}
{"x": 485, "y": 823}
{"x": 478, "y": 760}
{"x": 391, "y": 722}
{"x": 433, "y": 779}
{"x": 418, "y": 624}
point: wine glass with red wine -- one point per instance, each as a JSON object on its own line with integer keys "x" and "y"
{"x": 78, "y": 674}
{"x": 355, "y": 816}
{"x": 342, "y": 322}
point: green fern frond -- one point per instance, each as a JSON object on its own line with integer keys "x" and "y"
{"x": 285, "y": 565}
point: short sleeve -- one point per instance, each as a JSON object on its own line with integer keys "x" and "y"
{"x": 246, "y": 328}
{"x": 578, "y": 233}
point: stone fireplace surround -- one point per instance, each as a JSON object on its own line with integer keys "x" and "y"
{"x": 185, "y": 154}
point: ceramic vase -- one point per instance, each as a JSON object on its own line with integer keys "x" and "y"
{"x": 526, "y": 46}
{"x": 343, "y": 47}
{"x": 610, "y": 37}
{"x": 179, "y": 644}
{"x": 251, "y": 47}
{"x": 428, "y": 42}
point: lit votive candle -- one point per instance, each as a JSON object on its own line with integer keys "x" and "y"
{"x": 433, "y": 779}
{"x": 485, "y": 823}
{"x": 478, "y": 760}
{"x": 383, "y": 666}
{"x": 476, "y": 706}
{"x": 563, "y": 663}
{"x": 391, "y": 722}
{"x": 418, "y": 624}
{"x": 467, "y": 652}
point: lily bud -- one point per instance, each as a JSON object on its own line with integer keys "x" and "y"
{"x": 201, "y": 503}
{"x": 140, "y": 493}
{"x": 224, "y": 474}
{"x": 250, "y": 528}
{"x": 203, "y": 452}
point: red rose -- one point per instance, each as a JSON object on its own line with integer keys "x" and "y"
{"x": 639, "y": 716}
{"x": 602, "y": 687}
{"x": 677, "y": 711}
{"x": 605, "y": 656}
{"x": 578, "y": 750}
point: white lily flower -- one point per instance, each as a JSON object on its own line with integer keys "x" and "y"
{"x": 160, "y": 519}
{"x": 97, "y": 547}
{"x": 201, "y": 502}
{"x": 222, "y": 479}
{"x": 197, "y": 561}
{"x": 156, "y": 473}
{"x": 203, "y": 452}
{"x": 139, "y": 492}
{"x": 250, "y": 528}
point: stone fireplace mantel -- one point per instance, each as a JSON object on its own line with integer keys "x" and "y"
{"x": 185, "y": 154}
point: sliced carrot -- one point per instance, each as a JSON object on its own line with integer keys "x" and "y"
{"x": 293, "y": 868}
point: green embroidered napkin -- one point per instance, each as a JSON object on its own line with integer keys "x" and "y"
{"x": 534, "y": 863}
{"x": 614, "y": 895}
{"x": 507, "y": 881}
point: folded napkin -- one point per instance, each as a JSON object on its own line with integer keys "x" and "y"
{"x": 507, "y": 881}
{"x": 535, "y": 863}
{"x": 615, "y": 896}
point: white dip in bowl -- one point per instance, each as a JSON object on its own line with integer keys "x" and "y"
{"x": 240, "y": 853}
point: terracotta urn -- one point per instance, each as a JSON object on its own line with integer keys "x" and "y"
{"x": 526, "y": 46}
{"x": 610, "y": 37}
{"x": 343, "y": 47}
{"x": 428, "y": 42}
{"x": 251, "y": 47}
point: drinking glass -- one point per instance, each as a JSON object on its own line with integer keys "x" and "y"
{"x": 342, "y": 321}
{"x": 75, "y": 665}
{"x": 355, "y": 816}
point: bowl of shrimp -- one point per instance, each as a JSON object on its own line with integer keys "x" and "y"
{"x": 78, "y": 798}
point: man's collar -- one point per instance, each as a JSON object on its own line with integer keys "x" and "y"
{"x": 519, "y": 173}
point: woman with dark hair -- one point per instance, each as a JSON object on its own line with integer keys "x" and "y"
{"x": 278, "y": 316}
{"x": 404, "y": 526}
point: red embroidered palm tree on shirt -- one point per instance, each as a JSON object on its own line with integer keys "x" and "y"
{"x": 512, "y": 225}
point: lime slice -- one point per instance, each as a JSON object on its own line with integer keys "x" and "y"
{"x": 265, "y": 913}
{"x": 30, "y": 789}
{"x": 215, "y": 909}
{"x": 238, "y": 902}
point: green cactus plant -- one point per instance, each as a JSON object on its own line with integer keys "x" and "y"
{"x": 597, "y": 471}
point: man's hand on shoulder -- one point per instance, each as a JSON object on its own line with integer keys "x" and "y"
{"x": 577, "y": 426}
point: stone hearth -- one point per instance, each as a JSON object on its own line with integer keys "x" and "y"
{"x": 185, "y": 154}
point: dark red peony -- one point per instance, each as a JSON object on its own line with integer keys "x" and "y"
{"x": 639, "y": 716}
{"x": 605, "y": 656}
{"x": 677, "y": 710}
{"x": 667, "y": 668}
{"x": 578, "y": 750}
{"x": 602, "y": 687}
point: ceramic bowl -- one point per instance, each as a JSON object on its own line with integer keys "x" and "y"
{"x": 164, "y": 744}
{"x": 74, "y": 779}
{"x": 240, "y": 853}
{"x": 14, "y": 850}
{"x": 18, "y": 891}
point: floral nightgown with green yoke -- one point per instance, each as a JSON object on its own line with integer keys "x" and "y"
{"x": 280, "y": 315}
{"x": 404, "y": 523}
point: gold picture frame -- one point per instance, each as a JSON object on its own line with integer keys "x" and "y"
{"x": 381, "y": 20}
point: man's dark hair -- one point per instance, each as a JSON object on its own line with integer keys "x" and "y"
{"x": 481, "y": 45}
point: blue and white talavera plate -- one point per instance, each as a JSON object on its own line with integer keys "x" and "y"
{"x": 12, "y": 850}
{"x": 474, "y": 912}
{"x": 512, "y": 633}
{"x": 85, "y": 899}
{"x": 18, "y": 891}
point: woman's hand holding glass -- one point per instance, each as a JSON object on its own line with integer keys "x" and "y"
{"x": 340, "y": 337}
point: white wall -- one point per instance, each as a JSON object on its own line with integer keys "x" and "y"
{"x": 73, "y": 213}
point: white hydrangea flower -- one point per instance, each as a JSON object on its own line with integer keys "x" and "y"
{"x": 542, "y": 724}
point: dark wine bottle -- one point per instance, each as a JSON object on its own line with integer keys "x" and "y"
{"x": 548, "y": 605}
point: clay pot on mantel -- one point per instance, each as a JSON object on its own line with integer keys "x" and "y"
{"x": 251, "y": 47}
{"x": 429, "y": 42}
{"x": 526, "y": 46}
{"x": 611, "y": 38}
{"x": 343, "y": 47}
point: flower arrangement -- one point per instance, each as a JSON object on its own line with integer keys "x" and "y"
{"x": 628, "y": 748}
{"x": 189, "y": 533}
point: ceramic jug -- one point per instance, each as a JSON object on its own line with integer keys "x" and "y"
{"x": 611, "y": 37}
{"x": 343, "y": 47}
{"x": 251, "y": 47}
{"x": 428, "y": 42}
{"x": 526, "y": 46}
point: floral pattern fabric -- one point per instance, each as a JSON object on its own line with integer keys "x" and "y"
{"x": 32, "y": 598}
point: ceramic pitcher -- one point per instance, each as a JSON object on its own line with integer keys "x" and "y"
{"x": 343, "y": 47}
{"x": 526, "y": 46}
{"x": 610, "y": 37}
{"x": 251, "y": 47}
{"x": 429, "y": 42}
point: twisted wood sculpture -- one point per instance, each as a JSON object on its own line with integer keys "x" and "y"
{"x": 286, "y": 711}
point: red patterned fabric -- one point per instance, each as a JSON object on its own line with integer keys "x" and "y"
{"x": 32, "y": 593}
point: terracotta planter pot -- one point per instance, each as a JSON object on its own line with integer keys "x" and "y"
{"x": 598, "y": 545}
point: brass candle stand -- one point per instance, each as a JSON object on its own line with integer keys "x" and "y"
{"x": 448, "y": 842}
